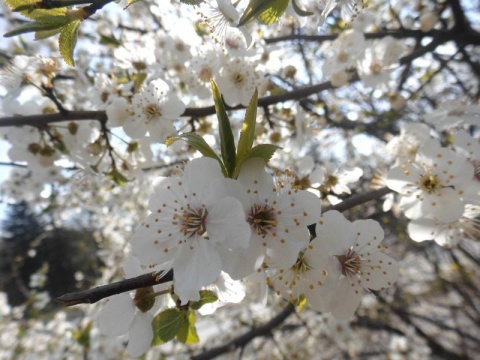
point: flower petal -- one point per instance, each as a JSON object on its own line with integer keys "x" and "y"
{"x": 141, "y": 334}
{"x": 117, "y": 315}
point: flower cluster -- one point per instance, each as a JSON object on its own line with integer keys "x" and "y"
{"x": 439, "y": 186}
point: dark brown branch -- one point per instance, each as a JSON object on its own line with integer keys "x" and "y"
{"x": 243, "y": 340}
{"x": 98, "y": 293}
{"x": 359, "y": 199}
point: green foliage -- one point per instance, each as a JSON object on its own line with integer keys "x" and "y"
{"x": 180, "y": 323}
{"x": 264, "y": 151}
{"x": 167, "y": 324}
{"x": 265, "y": 11}
{"x": 199, "y": 144}
{"x": 188, "y": 332}
{"x": 117, "y": 177}
{"x": 227, "y": 143}
{"x": 47, "y": 23}
{"x": 68, "y": 40}
{"x": 83, "y": 335}
{"x": 232, "y": 159}
{"x": 247, "y": 134}
{"x": 299, "y": 11}
{"x": 206, "y": 297}
{"x": 192, "y": 2}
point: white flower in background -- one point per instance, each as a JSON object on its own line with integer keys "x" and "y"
{"x": 228, "y": 291}
{"x": 337, "y": 180}
{"x": 133, "y": 56}
{"x": 222, "y": 19}
{"x": 172, "y": 51}
{"x": 405, "y": 146}
{"x": 347, "y": 49}
{"x": 191, "y": 219}
{"x": 308, "y": 174}
{"x": 379, "y": 60}
{"x": 237, "y": 81}
{"x": 278, "y": 214}
{"x": 464, "y": 144}
{"x": 202, "y": 69}
{"x": 122, "y": 313}
{"x": 107, "y": 88}
{"x": 349, "y": 9}
{"x": 447, "y": 234}
{"x": 154, "y": 110}
{"x": 453, "y": 113}
{"x": 118, "y": 112}
{"x": 432, "y": 186}
{"x": 355, "y": 260}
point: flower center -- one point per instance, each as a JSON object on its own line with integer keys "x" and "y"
{"x": 237, "y": 78}
{"x": 375, "y": 68}
{"x": 429, "y": 183}
{"x": 262, "y": 219}
{"x": 351, "y": 263}
{"x": 343, "y": 57}
{"x": 301, "y": 266}
{"x": 193, "y": 222}
{"x": 152, "y": 111}
{"x": 205, "y": 74}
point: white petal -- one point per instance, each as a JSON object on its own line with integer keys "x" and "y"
{"x": 141, "y": 334}
{"x": 446, "y": 208}
{"x": 117, "y": 315}
{"x": 344, "y": 299}
{"x": 379, "y": 271}
{"x": 335, "y": 234}
{"x": 254, "y": 177}
{"x": 197, "y": 264}
{"x": 369, "y": 234}
{"x": 226, "y": 224}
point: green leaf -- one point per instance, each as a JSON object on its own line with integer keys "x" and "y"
{"x": 117, "y": 177}
{"x": 32, "y": 27}
{"x": 110, "y": 41}
{"x": 247, "y": 134}
{"x": 167, "y": 324}
{"x": 138, "y": 80}
{"x": 227, "y": 143}
{"x": 265, "y": 11}
{"x": 264, "y": 151}
{"x": 188, "y": 332}
{"x": 192, "y": 2}
{"x": 299, "y": 11}
{"x": 199, "y": 144}
{"x": 40, "y": 35}
{"x": 130, "y": 2}
{"x": 68, "y": 40}
{"x": 206, "y": 297}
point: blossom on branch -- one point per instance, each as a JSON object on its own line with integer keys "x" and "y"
{"x": 192, "y": 219}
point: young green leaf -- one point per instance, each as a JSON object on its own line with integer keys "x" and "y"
{"x": 299, "y": 11}
{"x": 40, "y": 35}
{"x": 264, "y": 151}
{"x": 167, "y": 324}
{"x": 117, "y": 177}
{"x": 188, "y": 332}
{"x": 206, "y": 297}
{"x": 265, "y": 11}
{"x": 68, "y": 40}
{"x": 199, "y": 144}
{"x": 247, "y": 134}
{"x": 227, "y": 143}
{"x": 192, "y": 2}
{"x": 32, "y": 27}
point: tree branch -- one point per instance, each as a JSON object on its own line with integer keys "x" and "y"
{"x": 98, "y": 293}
